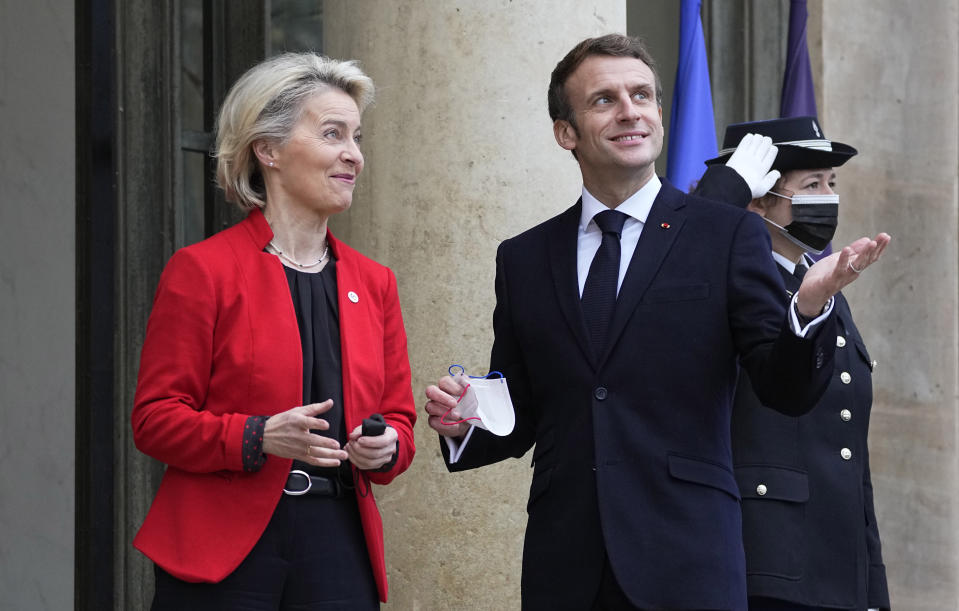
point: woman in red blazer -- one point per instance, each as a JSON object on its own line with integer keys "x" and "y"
{"x": 269, "y": 347}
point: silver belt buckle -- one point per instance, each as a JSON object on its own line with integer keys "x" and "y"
{"x": 309, "y": 483}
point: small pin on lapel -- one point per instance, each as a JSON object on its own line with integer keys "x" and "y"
{"x": 353, "y": 297}
{"x": 665, "y": 225}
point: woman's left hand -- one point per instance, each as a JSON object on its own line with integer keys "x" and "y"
{"x": 368, "y": 453}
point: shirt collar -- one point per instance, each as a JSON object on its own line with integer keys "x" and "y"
{"x": 637, "y": 205}
{"x": 789, "y": 266}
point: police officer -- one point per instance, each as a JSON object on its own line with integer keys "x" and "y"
{"x": 809, "y": 527}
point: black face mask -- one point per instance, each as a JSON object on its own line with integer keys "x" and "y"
{"x": 814, "y": 221}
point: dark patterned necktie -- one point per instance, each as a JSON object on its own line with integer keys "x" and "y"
{"x": 599, "y": 293}
{"x": 800, "y": 271}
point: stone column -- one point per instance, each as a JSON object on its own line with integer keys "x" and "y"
{"x": 460, "y": 155}
{"x": 889, "y": 87}
{"x": 37, "y": 313}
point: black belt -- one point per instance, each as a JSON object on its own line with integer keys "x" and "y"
{"x": 299, "y": 483}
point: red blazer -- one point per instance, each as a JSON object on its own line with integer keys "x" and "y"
{"x": 222, "y": 343}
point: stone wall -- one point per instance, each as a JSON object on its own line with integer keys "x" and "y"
{"x": 889, "y": 85}
{"x": 37, "y": 322}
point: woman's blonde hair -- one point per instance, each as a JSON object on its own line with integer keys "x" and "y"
{"x": 265, "y": 103}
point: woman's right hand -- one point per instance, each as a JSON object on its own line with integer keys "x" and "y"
{"x": 288, "y": 435}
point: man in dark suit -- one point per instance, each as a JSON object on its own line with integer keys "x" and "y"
{"x": 619, "y": 325}
{"x": 809, "y": 526}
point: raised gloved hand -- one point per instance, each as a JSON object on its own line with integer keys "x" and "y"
{"x": 752, "y": 160}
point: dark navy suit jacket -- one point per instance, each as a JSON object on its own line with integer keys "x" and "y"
{"x": 632, "y": 448}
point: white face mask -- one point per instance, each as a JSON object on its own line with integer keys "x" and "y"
{"x": 814, "y": 221}
{"x": 485, "y": 403}
{"x": 488, "y": 399}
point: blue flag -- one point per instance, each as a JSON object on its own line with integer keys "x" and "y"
{"x": 692, "y": 133}
{"x": 799, "y": 96}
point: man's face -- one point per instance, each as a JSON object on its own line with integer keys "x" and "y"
{"x": 619, "y": 125}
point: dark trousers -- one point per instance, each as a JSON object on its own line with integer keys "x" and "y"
{"x": 312, "y": 556}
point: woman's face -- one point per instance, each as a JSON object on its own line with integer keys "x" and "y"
{"x": 316, "y": 169}
{"x": 798, "y": 182}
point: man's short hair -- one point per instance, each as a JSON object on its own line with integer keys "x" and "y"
{"x": 613, "y": 45}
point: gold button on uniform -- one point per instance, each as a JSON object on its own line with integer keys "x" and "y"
{"x": 840, "y": 341}
{"x": 846, "y": 453}
{"x": 846, "y": 415}
{"x": 761, "y": 489}
{"x": 845, "y": 377}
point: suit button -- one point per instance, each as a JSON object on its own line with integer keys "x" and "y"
{"x": 600, "y": 393}
{"x": 846, "y": 415}
{"x": 761, "y": 489}
{"x": 840, "y": 341}
{"x": 846, "y": 453}
{"x": 845, "y": 377}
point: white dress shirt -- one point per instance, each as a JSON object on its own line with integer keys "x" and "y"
{"x": 590, "y": 236}
{"x": 788, "y": 265}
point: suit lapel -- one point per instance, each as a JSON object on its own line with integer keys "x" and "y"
{"x": 562, "y": 257}
{"x": 665, "y": 221}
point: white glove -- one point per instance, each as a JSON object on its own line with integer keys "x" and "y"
{"x": 752, "y": 160}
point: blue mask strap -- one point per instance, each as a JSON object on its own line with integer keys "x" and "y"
{"x": 455, "y": 369}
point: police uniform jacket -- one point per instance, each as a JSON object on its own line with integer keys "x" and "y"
{"x": 809, "y": 526}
